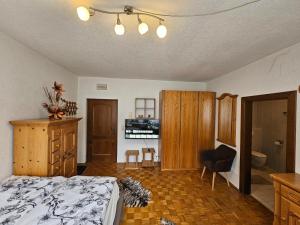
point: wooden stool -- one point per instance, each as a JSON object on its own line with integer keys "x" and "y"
{"x": 133, "y": 165}
{"x": 148, "y": 163}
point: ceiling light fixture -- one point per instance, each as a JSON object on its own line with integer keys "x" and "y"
{"x": 84, "y": 14}
{"x": 143, "y": 27}
{"x": 161, "y": 30}
{"x": 119, "y": 28}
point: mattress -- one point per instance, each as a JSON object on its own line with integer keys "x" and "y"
{"x": 58, "y": 200}
{"x": 112, "y": 206}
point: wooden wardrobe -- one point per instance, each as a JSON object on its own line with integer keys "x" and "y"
{"x": 187, "y": 120}
{"x": 45, "y": 147}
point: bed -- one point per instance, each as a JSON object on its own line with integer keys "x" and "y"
{"x": 59, "y": 200}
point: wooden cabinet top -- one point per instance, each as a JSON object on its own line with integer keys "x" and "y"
{"x": 291, "y": 180}
{"x": 45, "y": 122}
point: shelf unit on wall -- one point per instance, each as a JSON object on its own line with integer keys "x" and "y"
{"x": 145, "y": 108}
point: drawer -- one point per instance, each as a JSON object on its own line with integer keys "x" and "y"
{"x": 290, "y": 194}
{"x": 55, "y": 169}
{"x": 54, "y": 157}
{"x": 55, "y": 145}
{"x": 55, "y": 134}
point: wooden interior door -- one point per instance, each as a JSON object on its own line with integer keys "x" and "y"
{"x": 102, "y": 130}
{"x": 189, "y": 130}
{"x": 170, "y": 129}
{"x": 206, "y": 122}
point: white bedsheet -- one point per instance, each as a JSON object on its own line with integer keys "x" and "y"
{"x": 112, "y": 206}
{"x": 58, "y": 201}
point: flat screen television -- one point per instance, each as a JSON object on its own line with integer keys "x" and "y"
{"x": 141, "y": 129}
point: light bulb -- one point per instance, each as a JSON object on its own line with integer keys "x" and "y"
{"x": 161, "y": 31}
{"x": 119, "y": 28}
{"x": 143, "y": 28}
{"x": 83, "y": 13}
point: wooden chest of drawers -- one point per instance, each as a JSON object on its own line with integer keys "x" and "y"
{"x": 287, "y": 199}
{"x": 45, "y": 148}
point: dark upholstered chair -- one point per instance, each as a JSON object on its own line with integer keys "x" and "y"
{"x": 219, "y": 160}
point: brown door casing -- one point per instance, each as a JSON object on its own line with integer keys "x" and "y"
{"x": 102, "y": 122}
{"x": 246, "y": 134}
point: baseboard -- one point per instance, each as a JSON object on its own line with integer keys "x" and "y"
{"x": 231, "y": 184}
{"x": 232, "y": 177}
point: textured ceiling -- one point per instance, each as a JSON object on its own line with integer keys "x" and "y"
{"x": 195, "y": 49}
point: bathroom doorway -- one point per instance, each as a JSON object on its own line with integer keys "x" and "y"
{"x": 274, "y": 155}
{"x": 268, "y": 153}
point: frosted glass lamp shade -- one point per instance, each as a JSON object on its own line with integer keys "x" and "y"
{"x": 119, "y": 29}
{"x": 161, "y": 31}
{"x": 143, "y": 28}
{"x": 83, "y": 13}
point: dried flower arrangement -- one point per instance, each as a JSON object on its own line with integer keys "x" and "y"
{"x": 56, "y": 105}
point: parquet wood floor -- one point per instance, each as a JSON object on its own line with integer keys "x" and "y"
{"x": 182, "y": 197}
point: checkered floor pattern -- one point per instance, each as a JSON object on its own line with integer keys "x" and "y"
{"x": 182, "y": 197}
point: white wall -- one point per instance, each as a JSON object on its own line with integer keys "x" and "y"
{"x": 125, "y": 90}
{"x": 23, "y": 73}
{"x": 276, "y": 73}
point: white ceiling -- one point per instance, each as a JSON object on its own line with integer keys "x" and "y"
{"x": 195, "y": 49}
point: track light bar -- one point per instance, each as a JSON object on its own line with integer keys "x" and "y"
{"x": 128, "y": 10}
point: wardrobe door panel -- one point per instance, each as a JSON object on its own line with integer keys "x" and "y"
{"x": 206, "y": 122}
{"x": 170, "y": 129}
{"x": 188, "y": 131}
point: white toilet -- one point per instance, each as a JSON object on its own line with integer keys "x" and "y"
{"x": 258, "y": 159}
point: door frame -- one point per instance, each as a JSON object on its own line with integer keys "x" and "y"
{"x": 246, "y": 134}
{"x": 88, "y": 158}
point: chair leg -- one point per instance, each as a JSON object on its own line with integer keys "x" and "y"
{"x": 213, "y": 181}
{"x": 203, "y": 172}
{"x": 226, "y": 175}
